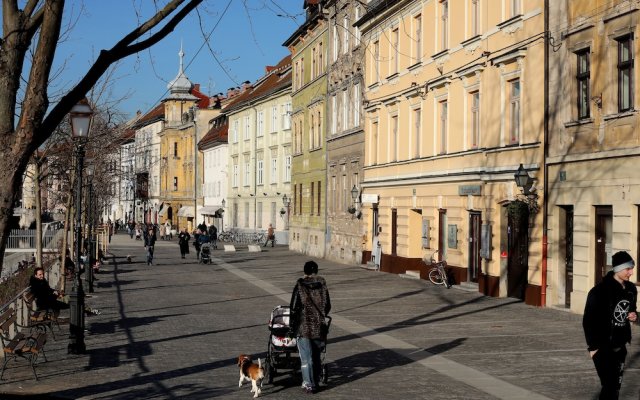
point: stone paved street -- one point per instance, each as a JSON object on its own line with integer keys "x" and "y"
{"x": 173, "y": 331}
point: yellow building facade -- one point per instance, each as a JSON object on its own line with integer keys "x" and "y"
{"x": 453, "y": 106}
{"x": 594, "y": 192}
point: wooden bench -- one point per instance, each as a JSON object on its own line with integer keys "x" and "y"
{"x": 27, "y": 344}
{"x": 40, "y": 318}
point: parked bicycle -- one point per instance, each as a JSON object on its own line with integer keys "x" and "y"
{"x": 438, "y": 273}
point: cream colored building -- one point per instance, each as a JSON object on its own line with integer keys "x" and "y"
{"x": 453, "y": 106}
{"x": 594, "y": 190}
{"x": 259, "y": 148}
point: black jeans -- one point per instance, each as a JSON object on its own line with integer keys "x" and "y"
{"x": 610, "y": 366}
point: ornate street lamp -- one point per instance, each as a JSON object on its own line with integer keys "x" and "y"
{"x": 354, "y": 208}
{"x": 287, "y": 202}
{"x": 80, "y": 116}
{"x": 523, "y": 180}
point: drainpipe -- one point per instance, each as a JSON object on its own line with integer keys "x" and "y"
{"x": 543, "y": 280}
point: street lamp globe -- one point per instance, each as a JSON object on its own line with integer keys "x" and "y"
{"x": 354, "y": 193}
{"x": 81, "y": 115}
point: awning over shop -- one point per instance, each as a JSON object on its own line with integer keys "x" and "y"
{"x": 186, "y": 211}
{"x": 209, "y": 210}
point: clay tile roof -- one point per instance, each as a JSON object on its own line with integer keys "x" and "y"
{"x": 204, "y": 99}
{"x": 276, "y": 79}
{"x": 156, "y": 114}
{"x": 219, "y": 133}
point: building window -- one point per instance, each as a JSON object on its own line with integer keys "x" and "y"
{"x": 236, "y": 128}
{"x": 175, "y": 149}
{"x": 443, "y": 126}
{"x": 274, "y": 170}
{"x": 356, "y": 32}
{"x": 175, "y": 183}
{"x": 261, "y": 123}
{"x": 582, "y": 78}
{"x": 312, "y": 198}
{"x": 295, "y": 199}
{"x": 274, "y": 119}
{"x": 314, "y": 66}
{"x": 312, "y": 136}
{"x": 260, "y": 177}
{"x": 475, "y": 120}
{"x": 319, "y": 197}
{"x": 475, "y": 17}
{"x": 515, "y": 8}
{"x": 286, "y": 116}
{"x": 625, "y": 73}
{"x": 336, "y": 41}
{"x": 514, "y": 112}
{"x": 334, "y": 114}
{"x": 375, "y": 131}
{"x": 394, "y": 138}
{"x": 394, "y": 50}
{"x": 247, "y": 128}
{"x": 259, "y": 214}
{"x": 247, "y": 174}
{"x": 356, "y": 105}
{"x": 417, "y": 21}
{"x": 235, "y": 173}
{"x": 444, "y": 29}
{"x": 345, "y": 48}
{"x": 376, "y": 61}
{"x": 417, "y": 131}
{"x": 319, "y": 129}
{"x": 345, "y": 110}
{"x": 287, "y": 168}
{"x": 320, "y": 58}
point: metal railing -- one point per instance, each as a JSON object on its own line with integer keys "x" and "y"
{"x": 236, "y": 237}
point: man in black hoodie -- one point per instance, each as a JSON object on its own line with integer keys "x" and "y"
{"x": 610, "y": 308}
{"x": 310, "y": 305}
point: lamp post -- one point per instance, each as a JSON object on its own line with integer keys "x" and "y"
{"x": 222, "y": 215}
{"x": 287, "y": 202}
{"x": 80, "y": 116}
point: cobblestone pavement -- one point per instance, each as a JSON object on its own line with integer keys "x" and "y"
{"x": 173, "y": 330}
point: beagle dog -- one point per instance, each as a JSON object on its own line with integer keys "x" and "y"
{"x": 250, "y": 371}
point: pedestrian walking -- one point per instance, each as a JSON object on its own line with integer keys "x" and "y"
{"x": 183, "y": 242}
{"x": 309, "y": 307}
{"x": 213, "y": 235}
{"x": 149, "y": 243}
{"x": 610, "y": 307}
{"x": 271, "y": 235}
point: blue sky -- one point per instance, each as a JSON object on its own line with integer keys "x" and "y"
{"x": 246, "y": 38}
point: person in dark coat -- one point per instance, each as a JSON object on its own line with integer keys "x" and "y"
{"x": 310, "y": 306}
{"x": 609, "y": 311}
{"x": 149, "y": 243}
{"x": 46, "y": 297}
{"x": 183, "y": 242}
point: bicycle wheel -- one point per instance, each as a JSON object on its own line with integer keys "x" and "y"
{"x": 435, "y": 277}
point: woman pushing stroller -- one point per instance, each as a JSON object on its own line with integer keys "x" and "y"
{"x": 310, "y": 306}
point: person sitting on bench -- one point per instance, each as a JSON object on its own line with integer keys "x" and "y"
{"x": 46, "y": 297}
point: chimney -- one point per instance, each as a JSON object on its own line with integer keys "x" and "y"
{"x": 268, "y": 69}
{"x": 196, "y": 86}
{"x": 246, "y": 85}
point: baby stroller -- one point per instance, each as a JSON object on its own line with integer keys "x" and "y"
{"x": 282, "y": 351}
{"x": 205, "y": 253}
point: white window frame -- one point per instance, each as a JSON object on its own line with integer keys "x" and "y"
{"x": 356, "y": 105}
{"x": 274, "y": 119}
{"x": 274, "y": 170}
{"x": 247, "y": 174}
{"x": 260, "y": 177}
{"x": 345, "y": 38}
{"x": 260, "y": 123}
{"x": 247, "y": 128}
{"x": 287, "y": 168}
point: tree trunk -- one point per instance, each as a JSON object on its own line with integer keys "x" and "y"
{"x": 38, "y": 198}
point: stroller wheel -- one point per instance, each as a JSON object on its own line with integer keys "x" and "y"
{"x": 325, "y": 374}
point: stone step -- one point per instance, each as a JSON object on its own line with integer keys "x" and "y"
{"x": 467, "y": 286}
{"x": 229, "y": 247}
{"x": 410, "y": 274}
{"x": 370, "y": 266}
{"x": 254, "y": 248}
